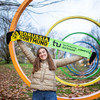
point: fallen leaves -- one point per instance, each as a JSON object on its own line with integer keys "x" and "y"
{"x": 74, "y": 91}
{"x": 12, "y": 86}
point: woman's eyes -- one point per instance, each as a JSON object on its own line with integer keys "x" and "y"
{"x": 41, "y": 52}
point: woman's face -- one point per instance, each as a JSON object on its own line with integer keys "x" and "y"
{"x": 42, "y": 54}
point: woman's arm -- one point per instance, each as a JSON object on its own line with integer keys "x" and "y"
{"x": 26, "y": 51}
{"x": 66, "y": 61}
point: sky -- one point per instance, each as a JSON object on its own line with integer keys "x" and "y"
{"x": 53, "y": 13}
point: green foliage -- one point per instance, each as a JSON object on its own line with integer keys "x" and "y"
{"x": 28, "y": 93}
{"x": 93, "y": 87}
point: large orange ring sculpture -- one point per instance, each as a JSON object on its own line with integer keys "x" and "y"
{"x": 15, "y": 61}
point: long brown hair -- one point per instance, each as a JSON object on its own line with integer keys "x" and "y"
{"x": 37, "y": 61}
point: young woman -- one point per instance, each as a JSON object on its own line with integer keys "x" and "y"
{"x": 43, "y": 75}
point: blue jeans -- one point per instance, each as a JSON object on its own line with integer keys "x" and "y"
{"x": 44, "y": 95}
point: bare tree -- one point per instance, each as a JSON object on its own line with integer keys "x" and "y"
{"x": 4, "y": 51}
{"x": 14, "y": 4}
{"x": 37, "y": 4}
{"x": 7, "y": 10}
{"x": 5, "y": 21}
{"x": 95, "y": 31}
